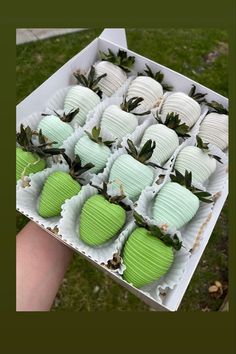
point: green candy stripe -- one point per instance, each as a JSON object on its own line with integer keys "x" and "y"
{"x": 28, "y": 163}
{"x": 100, "y": 220}
{"x": 58, "y": 187}
{"x": 133, "y": 175}
{"x": 146, "y": 258}
{"x": 175, "y": 205}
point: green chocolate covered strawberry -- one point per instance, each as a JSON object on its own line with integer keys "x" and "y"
{"x": 92, "y": 148}
{"x": 56, "y": 126}
{"x": 178, "y": 201}
{"x": 31, "y": 157}
{"x": 60, "y": 186}
{"x": 132, "y": 170}
{"x": 148, "y": 253}
{"x": 102, "y": 217}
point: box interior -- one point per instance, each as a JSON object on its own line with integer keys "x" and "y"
{"x": 35, "y": 102}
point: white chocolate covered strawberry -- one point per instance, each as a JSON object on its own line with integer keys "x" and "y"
{"x": 166, "y": 136}
{"x": 86, "y": 95}
{"x": 148, "y": 86}
{"x": 115, "y": 66}
{"x": 120, "y": 120}
{"x": 214, "y": 127}
{"x": 186, "y": 106}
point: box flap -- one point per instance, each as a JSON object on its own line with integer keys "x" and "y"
{"x": 115, "y": 35}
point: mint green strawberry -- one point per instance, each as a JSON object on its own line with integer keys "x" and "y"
{"x": 60, "y": 186}
{"x": 30, "y": 157}
{"x": 92, "y": 148}
{"x": 148, "y": 253}
{"x": 178, "y": 201}
{"x": 56, "y": 127}
{"x": 102, "y": 217}
{"x": 132, "y": 170}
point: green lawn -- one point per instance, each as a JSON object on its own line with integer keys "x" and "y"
{"x": 200, "y": 54}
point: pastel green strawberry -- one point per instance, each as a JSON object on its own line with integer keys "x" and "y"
{"x": 55, "y": 129}
{"x": 178, "y": 201}
{"x": 27, "y": 163}
{"x": 174, "y": 205}
{"x": 131, "y": 174}
{"x": 58, "y": 187}
{"x": 145, "y": 257}
{"x": 92, "y": 148}
{"x": 100, "y": 220}
{"x": 132, "y": 171}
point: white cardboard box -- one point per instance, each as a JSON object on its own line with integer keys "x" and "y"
{"x": 35, "y": 102}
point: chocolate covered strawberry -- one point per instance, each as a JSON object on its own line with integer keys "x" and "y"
{"x": 102, "y": 217}
{"x": 86, "y": 95}
{"x": 92, "y": 148}
{"x": 133, "y": 170}
{"x": 178, "y": 201}
{"x": 148, "y": 253}
{"x": 60, "y": 186}
{"x": 166, "y": 136}
{"x": 115, "y": 66}
{"x": 214, "y": 127}
{"x": 120, "y": 120}
{"x": 149, "y": 86}
{"x": 56, "y": 127}
{"x": 186, "y": 106}
{"x": 32, "y": 152}
{"x": 198, "y": 160}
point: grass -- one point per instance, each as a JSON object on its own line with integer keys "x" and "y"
{"x": 196, "y": 53}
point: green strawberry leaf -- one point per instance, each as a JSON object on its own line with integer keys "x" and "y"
{"x": 201, "y": 145}
{"x": 154, "y": 230}
{"x": 217, "y": 107}
{"x": 199, "y": 97}
{"x": 120, "y": 59}
{"x": 173, "y": 121}
{"x": 158, "y": 76}
{"x": 132, "y": 149}
{"x": 95, "y": 136}
{"x": 217, "y": 158}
